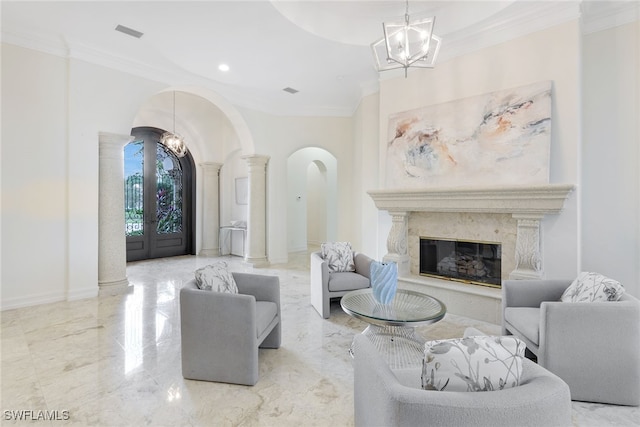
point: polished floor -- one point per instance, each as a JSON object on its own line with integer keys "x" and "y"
{"x": 115, "y": 361}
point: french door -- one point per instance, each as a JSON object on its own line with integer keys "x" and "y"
{"x": 158, "y": 198}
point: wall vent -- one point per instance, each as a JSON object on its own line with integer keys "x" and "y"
{"x": 129, "y": 31}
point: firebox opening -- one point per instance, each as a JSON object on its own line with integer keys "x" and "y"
{"x": 479, "y": 263}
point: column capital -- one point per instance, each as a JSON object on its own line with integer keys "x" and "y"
{"x": 398, "y": 213}
{"x": 210, "y": 165}
{"x": 256, "y": 159}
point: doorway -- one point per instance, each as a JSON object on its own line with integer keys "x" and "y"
{"x": 312, "y": 211}
{"x": 159, "y": 198}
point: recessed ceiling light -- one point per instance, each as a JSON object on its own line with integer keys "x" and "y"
{"x": 290, "y": 90}
{"x": 223, "y": 67}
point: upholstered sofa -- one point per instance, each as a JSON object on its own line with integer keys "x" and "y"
{"x": 221, "y": 332}
{"x": 593, "y": 346}
{"x": 385, "y": 397}
{"x": 326, "y": 285}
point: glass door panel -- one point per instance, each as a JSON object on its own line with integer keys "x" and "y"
{"x": 134, "y": 188}
{"x": 168, "y": 192}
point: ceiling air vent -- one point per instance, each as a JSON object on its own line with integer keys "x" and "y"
{"x": 290, "y": 90}
{"x": 129, "y": 31}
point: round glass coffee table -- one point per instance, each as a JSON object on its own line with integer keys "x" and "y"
{"x": 392, "y": 326}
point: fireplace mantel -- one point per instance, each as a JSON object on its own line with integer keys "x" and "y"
{"x": 532, "y": 200}
{"x": 527, "y": 204}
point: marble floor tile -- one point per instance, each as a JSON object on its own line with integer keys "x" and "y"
{"x": 115, "y": 360}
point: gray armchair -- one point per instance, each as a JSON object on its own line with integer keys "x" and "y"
{"x": 325, "y": 285}
{"x": 221, "y": 332}
{"x": 593, "y": 346}
{"x": 386, "y": 397}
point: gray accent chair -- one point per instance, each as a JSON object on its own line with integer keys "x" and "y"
{"x": 221, "y": 332}
{"x": 386, "y": 397}
{"x": 325, "y": 285}
{"x": 594, "y": 347}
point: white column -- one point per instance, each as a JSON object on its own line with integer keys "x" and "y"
{"x": 397, "y": 242}
{"x": 112, "y": 244}
{"x": 256, "y": 253}
{"x": 528, "y": 258}
{"x": 210, "y": 209}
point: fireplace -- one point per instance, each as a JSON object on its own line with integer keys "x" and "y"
{"x": 472, "y": 262}
{"x": 511, "y": 215}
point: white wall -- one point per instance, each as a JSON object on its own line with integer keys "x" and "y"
{"x": 611, "y": 155}
{"x": 317, "y": 192}
{"x": 552, "y": 54}
{"x": 366, "y": 142}
{"x": 35, "y": 194}
{"x": 234, "y": 167}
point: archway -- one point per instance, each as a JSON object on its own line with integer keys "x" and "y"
{"x": 312, "y": 176}
{"x": 212, "y": 129}
{"x": 158, "y": 111}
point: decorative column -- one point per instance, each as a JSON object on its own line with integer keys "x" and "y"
{"x": 528, "y": 256}
{"x": 112, "y": 244}
{"x": 256, "y": 253}
{"x": 211, "y": 209}
{"x": 397, "y": 241}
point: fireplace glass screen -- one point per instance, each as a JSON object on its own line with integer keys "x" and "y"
{"x": 469, "y": 262}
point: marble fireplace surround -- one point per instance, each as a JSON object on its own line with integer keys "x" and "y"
{"x": 509, "y": 215}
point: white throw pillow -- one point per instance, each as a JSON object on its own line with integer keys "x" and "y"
{"x": 339, "y": 256}
{"x": 216, "y": 277}
{"x": 591, "y": 287}
{"x": 477, "y": 363}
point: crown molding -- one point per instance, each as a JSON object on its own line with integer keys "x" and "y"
{"x": 518, "y": 20}
{"x": 601, "y": 15}
{"x": 35, "y": 41}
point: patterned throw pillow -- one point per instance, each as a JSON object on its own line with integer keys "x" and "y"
{"x": 591, "y": 287}
{"x": 217, "y": 278}
{"x": 478, "y": 363}
{"x": 339, "y": 256}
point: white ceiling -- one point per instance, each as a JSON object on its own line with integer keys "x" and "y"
{"x": 320, "y": 48}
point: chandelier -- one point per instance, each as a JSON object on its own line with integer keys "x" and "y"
{"x": 172, "y": 140}
{"x": 407, "y": 43}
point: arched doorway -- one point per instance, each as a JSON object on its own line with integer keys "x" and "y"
{"x": 312, "y": 211}
{"x": 159, "y": 198}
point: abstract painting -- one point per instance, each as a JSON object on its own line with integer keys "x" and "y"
{"x": 499, "y": 138}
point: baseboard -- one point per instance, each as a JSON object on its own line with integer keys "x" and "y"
{"x": 297, "y": 249}
{"x": 79, "y": 294}
{"x": 31, "y": 300}
{"x": 47, "y": 298}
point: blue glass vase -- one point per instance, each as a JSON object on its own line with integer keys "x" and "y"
{"x": 384, "y": 281}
